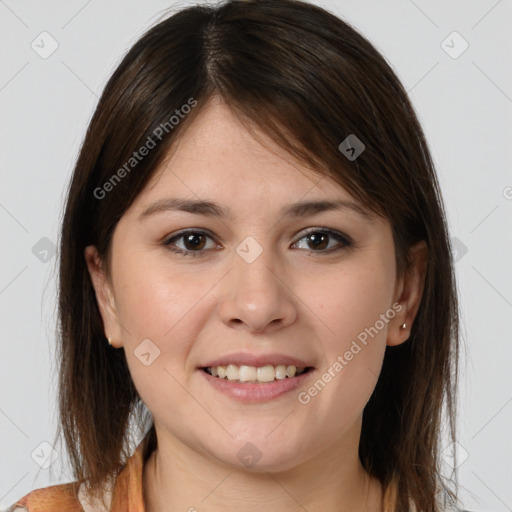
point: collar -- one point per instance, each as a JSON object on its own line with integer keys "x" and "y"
{"x": 127, "y": 492}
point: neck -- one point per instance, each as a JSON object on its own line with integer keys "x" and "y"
{"x": 177, "y": 477}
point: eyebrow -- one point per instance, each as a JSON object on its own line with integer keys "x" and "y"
{"x": 212, "y": 209}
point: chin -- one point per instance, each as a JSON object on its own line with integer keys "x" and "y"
{"x": 254, "y": 457}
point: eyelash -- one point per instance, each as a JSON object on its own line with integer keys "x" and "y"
{"x": 345, "y": 240}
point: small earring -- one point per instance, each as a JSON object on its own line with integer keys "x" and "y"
{"x": 403, "y": 326}
{"x": 109, "y": 341}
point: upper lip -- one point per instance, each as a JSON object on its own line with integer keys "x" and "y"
{"x": 241, "y": 358}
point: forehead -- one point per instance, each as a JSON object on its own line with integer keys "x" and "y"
{"x": 217, "y": 155}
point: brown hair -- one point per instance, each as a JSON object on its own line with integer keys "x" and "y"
{"x": 307, "y": 79}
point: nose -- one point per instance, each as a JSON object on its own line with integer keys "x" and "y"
{"x": 257, "y": 296}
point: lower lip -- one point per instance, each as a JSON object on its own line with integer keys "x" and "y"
{"x": 254, "y": 393}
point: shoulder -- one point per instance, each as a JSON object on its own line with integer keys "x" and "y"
{"x": 62, "y": 497}
{"x": 124, "y": 491}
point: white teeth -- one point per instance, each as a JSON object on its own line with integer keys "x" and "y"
{"x": 266, "y": 374}
{"x": 246, "y": 374}
{"x": 232, "y": 372}
{"x": 280, "y": 371}
{"x": 291, "y": 370}
{"x": 243, "y": 373}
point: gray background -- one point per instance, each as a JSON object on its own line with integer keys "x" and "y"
{"x": 464, "y": 103}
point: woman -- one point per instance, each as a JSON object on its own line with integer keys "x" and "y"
{"x": 255, "y": 225}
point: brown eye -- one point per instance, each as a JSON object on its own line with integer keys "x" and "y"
{"x": 318, "y": 240}
{"x": 194, "y": 241}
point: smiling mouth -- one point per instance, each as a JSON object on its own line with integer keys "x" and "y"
{"x": 252, "y": 374}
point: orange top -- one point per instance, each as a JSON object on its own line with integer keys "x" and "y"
{"x": 127, "y": 495}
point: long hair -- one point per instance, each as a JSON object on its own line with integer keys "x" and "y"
{"x": 308, "y": 80}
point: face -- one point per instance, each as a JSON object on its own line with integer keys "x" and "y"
{"x": 251, "y": 286}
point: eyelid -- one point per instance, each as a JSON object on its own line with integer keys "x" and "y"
{"x": 187, "y": 231}
{"x": 168, "y": 241}
{"x": 333, "y": 232}
{"x": 344, "y": 241}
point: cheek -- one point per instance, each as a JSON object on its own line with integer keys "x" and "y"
{"x": 168, "y": 309}
{"x": 155, "y": 299}
{"x": 352, "y": 301}
{"x": 355, "y": 315}
{"x": 156, "y": 304}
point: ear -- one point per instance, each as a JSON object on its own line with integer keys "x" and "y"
{"x": 104, "y": 296}
{"x": 408, "y": 292}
